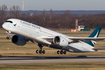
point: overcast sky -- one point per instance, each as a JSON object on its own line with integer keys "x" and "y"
{"x": 57, "y": 4}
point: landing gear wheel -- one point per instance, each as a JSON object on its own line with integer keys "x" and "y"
{"x": 61, "y": 52}
{"x": 64, "y": 52}
{"x": 57, "y": 52}
{"x": 43, "y": 51}
{"x": 40, "y": 51}
{"x": 7, "y": 37}
{"x": 37, "y": 51}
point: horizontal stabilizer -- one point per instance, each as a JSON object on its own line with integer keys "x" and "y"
{"x": 99, "y": 48}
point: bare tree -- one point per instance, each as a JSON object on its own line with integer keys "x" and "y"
{"x": 67, "y": 13}
{"x": 51, "y": 14}
{"x": 14, "y": 11}
{"x": 3, "y": 10}
{"x": 44, "y": 14}
{"x": 34, "y": 14}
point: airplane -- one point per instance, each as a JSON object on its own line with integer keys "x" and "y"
{"x": 23, "y": 31}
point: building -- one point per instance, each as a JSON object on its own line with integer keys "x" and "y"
{"x": 81, "y": 27}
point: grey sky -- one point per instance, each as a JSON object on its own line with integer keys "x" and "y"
{"x": 57, "y": 4}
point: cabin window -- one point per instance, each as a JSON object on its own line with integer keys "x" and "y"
{"x": 9, "y": 21}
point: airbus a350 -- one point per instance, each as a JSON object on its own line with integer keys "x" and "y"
{"x": 24, "y": 31}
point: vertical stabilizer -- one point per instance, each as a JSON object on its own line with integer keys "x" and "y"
{"x": 94, "y": 34}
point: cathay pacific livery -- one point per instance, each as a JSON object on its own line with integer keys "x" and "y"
{"x": 24, "y": 31}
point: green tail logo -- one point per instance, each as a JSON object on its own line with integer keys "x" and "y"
{"x": 94, "y": 34}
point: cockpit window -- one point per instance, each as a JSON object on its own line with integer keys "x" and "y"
{"x": 9, "y": 21}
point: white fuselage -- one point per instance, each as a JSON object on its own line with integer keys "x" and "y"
{"x": 38, "y": 34}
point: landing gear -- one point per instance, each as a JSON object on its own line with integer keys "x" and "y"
{"x": 64, "y": 52}
{"x": 40, "y": 51}
{"x": 8, "y": 32}
{"x": 61, "y": 52}
{"x": 8, "y": 37}
{"x": 58, "y": 52}
{"x": 37, "y": 51}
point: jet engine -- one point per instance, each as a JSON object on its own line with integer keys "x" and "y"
{"x": 18, "y": 40}
{"x": 61, "y": 41}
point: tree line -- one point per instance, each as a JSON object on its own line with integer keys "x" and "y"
{"x": 52, "y": 20}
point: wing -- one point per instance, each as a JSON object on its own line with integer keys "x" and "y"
{"x": 94, "y": 36}
{"x": 76, "y": 39}
{"x": 48, "y": 38}
{"x": 86, "y": 38}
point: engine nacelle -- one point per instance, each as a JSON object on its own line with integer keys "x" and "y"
{"x": 18, "y": 40}
{"x": 61, "y": 41}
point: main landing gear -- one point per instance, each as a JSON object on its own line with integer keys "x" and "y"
{"x": 61, "y": 52}
{"x": 40, "y": 51}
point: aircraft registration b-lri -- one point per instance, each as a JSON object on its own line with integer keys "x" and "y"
{"x": 24, "y": 31}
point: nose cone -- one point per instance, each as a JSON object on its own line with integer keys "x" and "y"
{"x": 5, "y": 26}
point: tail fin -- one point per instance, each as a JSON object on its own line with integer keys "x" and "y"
{"x": 94, "y": 34}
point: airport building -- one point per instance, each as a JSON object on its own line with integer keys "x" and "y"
{"x": 79, "y": 27}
